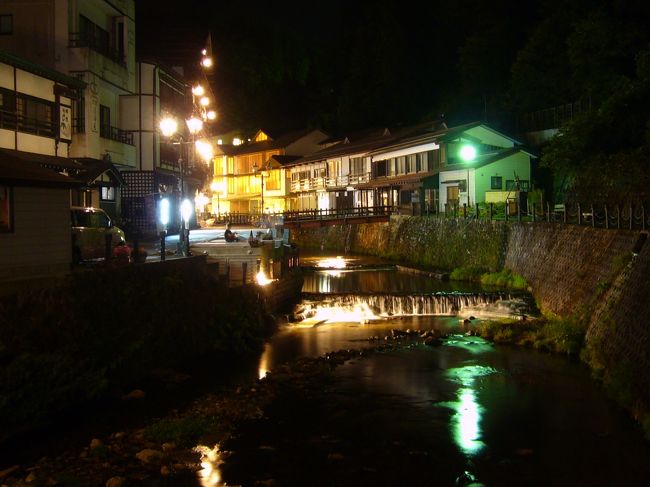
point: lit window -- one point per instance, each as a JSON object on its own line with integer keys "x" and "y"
{"x": 6, "y": 223}
{"x": 108, "y": 193}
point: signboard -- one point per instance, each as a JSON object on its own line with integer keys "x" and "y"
{"x": 65, "y": 123}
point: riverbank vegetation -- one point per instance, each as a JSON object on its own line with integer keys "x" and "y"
{"x": 504, "y": 278}
{"x": 556, "y": 335}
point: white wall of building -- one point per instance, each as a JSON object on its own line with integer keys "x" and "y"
{"x": 41, "y": 243}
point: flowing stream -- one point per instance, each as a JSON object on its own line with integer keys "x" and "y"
{"x": 466, "y": 412}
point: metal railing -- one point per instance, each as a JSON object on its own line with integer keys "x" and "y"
{"x": 329, "y": 182}
{"x": 15, "y": 121}
{"x": 116, "y": 134}
{"x": 78, "y": 39}
{"x": 336, "y": 213}
{"x": 631, "y": 216}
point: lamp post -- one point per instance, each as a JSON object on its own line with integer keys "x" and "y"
{"x": 163, "y": 220}
{"x": 169, "y": 129}
{"x": 216, "y": 189}
{"x": 467, "y": 154}
{"x": 263, "y": 172}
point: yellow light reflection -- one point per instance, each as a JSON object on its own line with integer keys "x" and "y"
{"x": 358, "y": 313}
{"x": 210, "y": 473}
{"x": 263, "y": 367}
{"x": 337, "y": 262}
{"x": 333, "y": 273}
{"x": 262, "y": 280}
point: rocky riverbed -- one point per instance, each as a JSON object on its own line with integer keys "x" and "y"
{"x": 168, "y": 451}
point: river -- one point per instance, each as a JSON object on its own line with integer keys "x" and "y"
{"x": 466, "y": 412}
{"x": 459, "y": 411}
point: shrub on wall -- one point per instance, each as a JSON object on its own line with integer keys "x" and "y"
{"x": 429, "y": 242}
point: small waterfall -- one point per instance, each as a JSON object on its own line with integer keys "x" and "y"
{"x": 374, "y": 306}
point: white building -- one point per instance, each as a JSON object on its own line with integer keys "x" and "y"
{"x": 35, "y": 133}
{"x": 94, "y": 42}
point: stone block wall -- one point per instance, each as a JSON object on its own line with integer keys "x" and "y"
{"x": 431, "y": 243}
{"x": 619, "y": 335}
{"x": 567, "y": 266}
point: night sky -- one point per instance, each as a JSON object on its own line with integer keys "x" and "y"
{"x": 347, "y": 65}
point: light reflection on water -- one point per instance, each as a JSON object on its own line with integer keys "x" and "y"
{"x": 380, "y": 281}
{"x": 466, "y": 421}
{"x": 494, "y": 412}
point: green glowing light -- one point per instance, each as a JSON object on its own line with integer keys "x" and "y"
{"x": 467, "y": 153}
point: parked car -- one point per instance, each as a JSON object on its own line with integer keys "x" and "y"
{"x": 90, "y": 230}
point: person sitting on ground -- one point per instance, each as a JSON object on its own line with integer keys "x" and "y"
{"x": 229, "y": 235}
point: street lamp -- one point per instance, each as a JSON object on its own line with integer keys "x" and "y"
{"x": 163, "y": 219}
{"x": 218, "y": 189}
{"x": 169, "y": 129}
{"x": 263, "y": 172}
{"x": 186, "y": 213}
{"x": 467, "y": 154}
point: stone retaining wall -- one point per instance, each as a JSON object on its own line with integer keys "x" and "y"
{"x": 619, "y": 336}
{"x": 573, "y": 271}
{"x": 567, "y": 266}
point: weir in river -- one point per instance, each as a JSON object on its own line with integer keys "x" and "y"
{"x": 465, "y": 412}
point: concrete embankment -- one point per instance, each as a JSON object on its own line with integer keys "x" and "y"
{"x": 582, "y": 272}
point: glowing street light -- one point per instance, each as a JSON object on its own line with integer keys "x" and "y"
{"x": 194, "y": 125}
{"x": 467, "y": 153}
{"x": 205, "y": 150}
{"x": 163, "y": 220}
{"x": 186, "y": 213}
{"x": 169, "y": 129}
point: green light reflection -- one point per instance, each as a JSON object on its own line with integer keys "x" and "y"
{"x": 470, "y": 343}
{"x": 466, "y": 421}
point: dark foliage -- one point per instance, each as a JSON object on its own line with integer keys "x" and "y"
{"x": 100, "y": 332}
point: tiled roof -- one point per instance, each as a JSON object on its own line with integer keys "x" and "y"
{"x": 281, "y": 141}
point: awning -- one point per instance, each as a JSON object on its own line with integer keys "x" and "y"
{"x": 409, "y": 181}
{"x": 22, "y": 172}
{"x": 54, "y": 162}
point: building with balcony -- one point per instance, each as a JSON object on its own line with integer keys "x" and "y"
{"x": 37, "y": 176}
{"x": 252, "y": 177}
{"x": 418, "y": 169}
{"x": 160, "y": 91}
{"x": 94, "y": 42}
{"x": 329, "y": 178}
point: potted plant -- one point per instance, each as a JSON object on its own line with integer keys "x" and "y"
{"x": 122, "y": 253}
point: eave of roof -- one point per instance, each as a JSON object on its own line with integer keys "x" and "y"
{"x": 342, "y": 149}
{"x": 44, "y": 71}
{"x": 25, "y": 173}
{"x": 93, "y": 168}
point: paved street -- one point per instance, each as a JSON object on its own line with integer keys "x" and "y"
{"x": 196, "y": 235}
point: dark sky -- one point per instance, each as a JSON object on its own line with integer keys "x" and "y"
{"x": 348, "y": 65}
